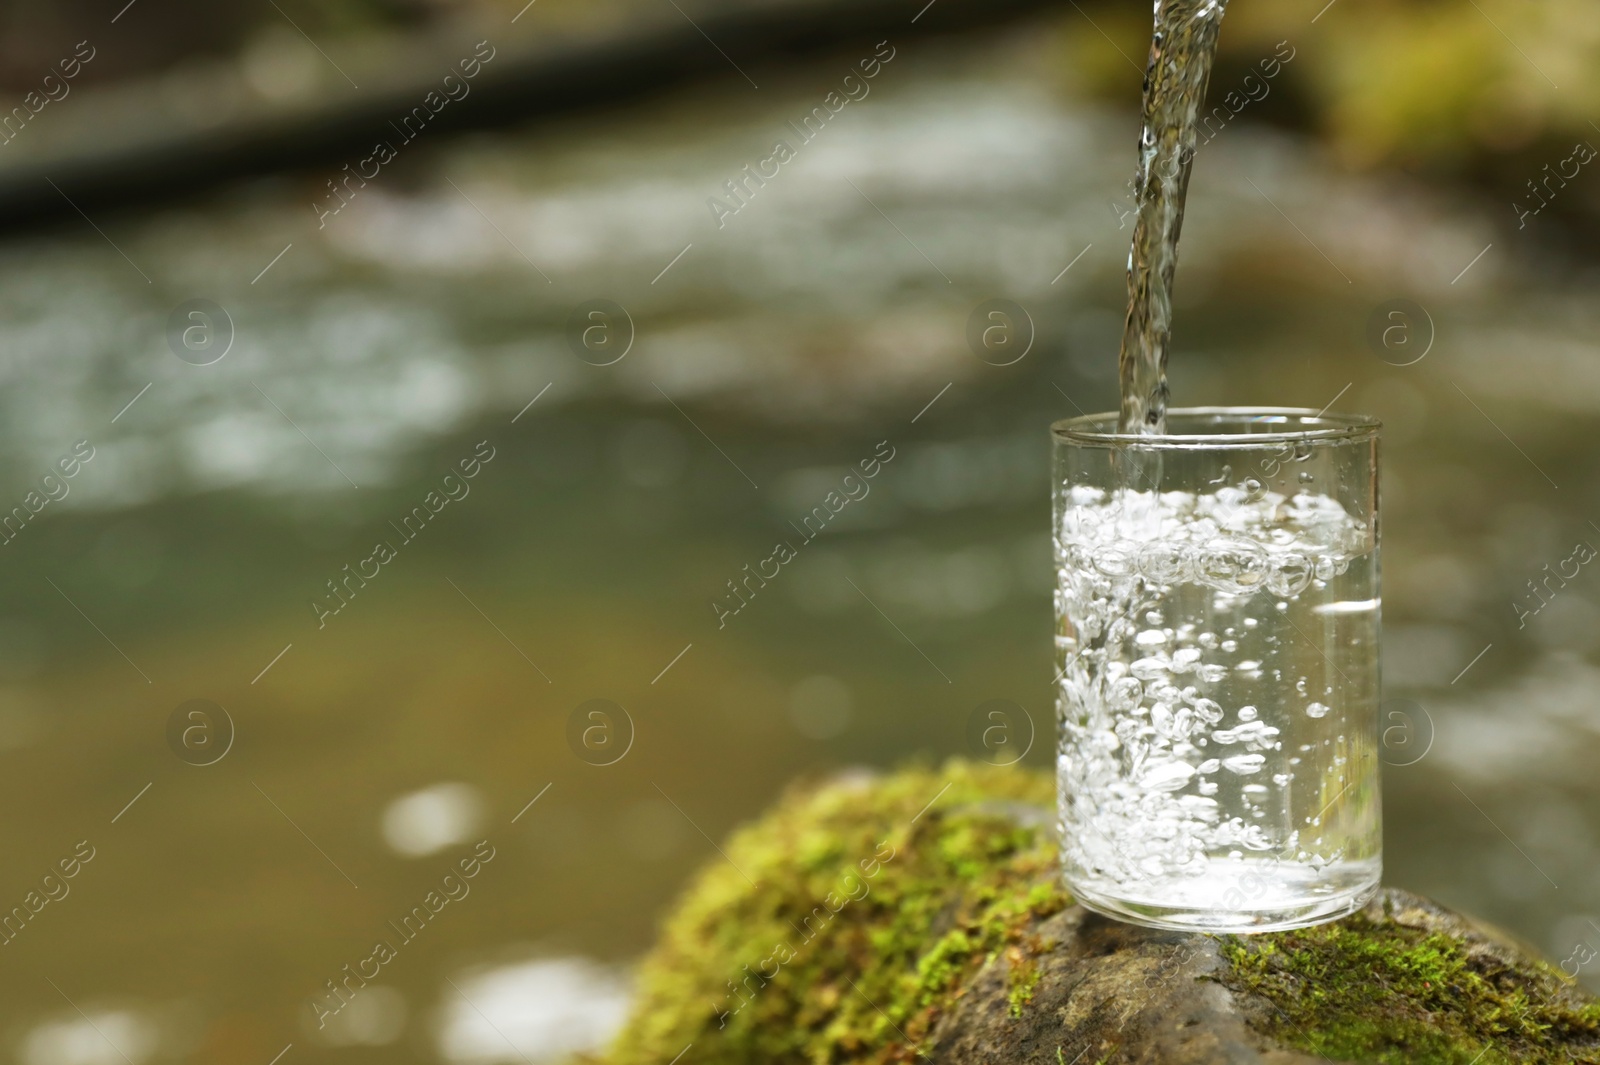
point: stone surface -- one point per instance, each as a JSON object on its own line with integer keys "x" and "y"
{"x": 917, "y": 916}
{"x": 1114, "y": 991}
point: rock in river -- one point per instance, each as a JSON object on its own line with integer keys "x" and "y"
{"x": 919, "y": 916}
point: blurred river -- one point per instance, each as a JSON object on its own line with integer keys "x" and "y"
{"x": 824, "y": 322}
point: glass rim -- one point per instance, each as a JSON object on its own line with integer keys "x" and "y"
{"x": 1316, "y": 426}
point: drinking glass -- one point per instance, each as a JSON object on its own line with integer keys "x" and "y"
{"x": 1217, "y": 618}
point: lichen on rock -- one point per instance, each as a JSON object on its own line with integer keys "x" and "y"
{"x": 919, "y": 915}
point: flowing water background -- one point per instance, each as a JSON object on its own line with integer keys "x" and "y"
{"x": 796, "y": 338}
{"x": 1182, "y": 53}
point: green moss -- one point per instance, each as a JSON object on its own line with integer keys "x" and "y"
{"x": 865, "y": 912}
{"x": 938, "y": 969}
{"x": 1021, "y": 979}
{"x": 1379, "y": 992}
{"x": 846, "y": 922}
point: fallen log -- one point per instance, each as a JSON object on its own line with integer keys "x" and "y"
{"x": 626, "y": 63}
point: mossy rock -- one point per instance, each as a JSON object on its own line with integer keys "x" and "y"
{"x": 919, "y": 916}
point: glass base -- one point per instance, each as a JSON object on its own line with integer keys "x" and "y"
{"x": 1241, "y": 897}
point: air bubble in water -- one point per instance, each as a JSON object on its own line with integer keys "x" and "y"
{"x": 1149, "y": 668}
{"x": 1236, "y": 566}
{"x": 1114, "y": 560}
{"x": 1290, "y": 574}
{"x": 1078, "y": 557}
{"x": 1125, "y": 694}
{"x": 1244, "y": 764}
{"x": 1248, "y": 713}
{"x": 1166, "y": 776}
{"x": 1306, "y": 477}
{"x": 1161, "y": 719}
{"x": 1255, "y": 735}
{"x": 1317, "y": 710}
{"x": 1166, "y": 563}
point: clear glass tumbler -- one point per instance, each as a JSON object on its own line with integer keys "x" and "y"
{"x": 1217, "y": 616}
